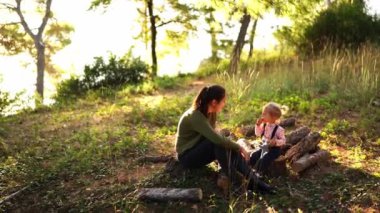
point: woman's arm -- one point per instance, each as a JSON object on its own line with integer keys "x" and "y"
{"x": 200, "y": 124}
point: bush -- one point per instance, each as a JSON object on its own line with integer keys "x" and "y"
{"x": 7, "y": 102}
{"x": 114, "y": 73}
{"x": 344, "y": 24}
{"x": 118, "y": 71}
{"x": 69, "y": 89}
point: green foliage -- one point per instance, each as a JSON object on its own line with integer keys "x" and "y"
{"x": 344, "y": 24}
{"x": 69, "y": 89}
{"x": 13, "y": 40}
{"x": 114, "y": 73}
{"x": 209, "y": 66}
{"x": 7, "y": 102}
{"x": 165, "y": 82}
{"x": 337, "y": 126}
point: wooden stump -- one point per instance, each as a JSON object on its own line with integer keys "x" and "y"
{"x": 170, "y": 194}
{"x": 277, "y": 168}
{"x": 310, "y": 159}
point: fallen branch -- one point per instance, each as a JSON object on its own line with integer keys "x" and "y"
{"x": 309, "y": 159}
{"x": 13, "y": 195}
{"x": 170, "y": 194}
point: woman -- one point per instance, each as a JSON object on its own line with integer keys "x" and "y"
{"x": 198, "y": 144}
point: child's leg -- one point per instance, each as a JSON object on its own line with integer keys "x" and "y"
{"x": 254, "y": 157}
{"x": 264, "y": 163}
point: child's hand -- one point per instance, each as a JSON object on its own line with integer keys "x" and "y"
{"x": 259, "y": 121}
{"x": 272, "y": 142}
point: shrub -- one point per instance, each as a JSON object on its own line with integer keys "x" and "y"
{"x": 115, "y": 72}
{"x": 69, "y": 89}
{"x": 7, "y": 102}
{"x": 343, "y": 24}
{"x": 103, "y": 74}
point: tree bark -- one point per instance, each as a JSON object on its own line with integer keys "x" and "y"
{"x": 289, "y": 122}
{"x": 40, "y": 72}
{"x": 153, "y": 30}
{"x": 38, "y": 42}
{"x": 214, "y": 43}
{"x": 328, "y": 3}
{"x": 309, "y": 159}
{"x": 297, "y": 135}
{"x": 252, "y": 38}
{"x": 170, "y": 194}
{"x": 307, "y": 144}
{"x": 235, "y": 59}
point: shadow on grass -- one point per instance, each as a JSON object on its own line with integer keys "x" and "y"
{"x": 328, "y": 187}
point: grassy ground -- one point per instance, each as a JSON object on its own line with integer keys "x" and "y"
{"x": 81, "y": 155}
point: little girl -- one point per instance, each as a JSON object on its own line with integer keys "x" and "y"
{"x": 272, "y": 135}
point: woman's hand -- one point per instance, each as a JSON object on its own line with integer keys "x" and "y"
{"x": 244, "y": 153}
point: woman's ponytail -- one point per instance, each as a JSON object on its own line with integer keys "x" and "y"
{"x": 206, "y": 95}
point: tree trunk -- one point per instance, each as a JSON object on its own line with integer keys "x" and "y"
{"x": 214, "y": 44}
{"x": 153, "y": 30}
{"x": 252, "y": 38}
{"x": 328, "y": 3}
{"x": 40, "y": 72}
{"x": 235, "y": 59}
{"x": 170, "y": 194}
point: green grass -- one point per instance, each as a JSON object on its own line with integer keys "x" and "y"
{"x": 80, "y": 155}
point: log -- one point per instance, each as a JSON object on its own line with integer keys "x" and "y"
{"x": 289, "y": 122}
{"x": 297, "y": 135}
{"x": 155, "y": 159}
{"x": 307, "y": 144}
{"x": 170, "y": 194}
{"x": 247, "y": 131}
{"x": 309, "y": 159}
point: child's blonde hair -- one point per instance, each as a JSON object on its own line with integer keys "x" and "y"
{"x": 274, "y": 109}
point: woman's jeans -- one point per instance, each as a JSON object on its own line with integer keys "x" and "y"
{"x": 230, "y": 161}
{"x": 261, "y": 164}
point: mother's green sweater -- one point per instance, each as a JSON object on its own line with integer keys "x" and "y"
{"x": 193, "y": 125}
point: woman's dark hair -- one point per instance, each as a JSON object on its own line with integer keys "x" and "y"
{"x": 206, "y": 95}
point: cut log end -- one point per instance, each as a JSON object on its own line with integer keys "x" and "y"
{"x": 310, "y": 159}
{"x": 170, "y": 194}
